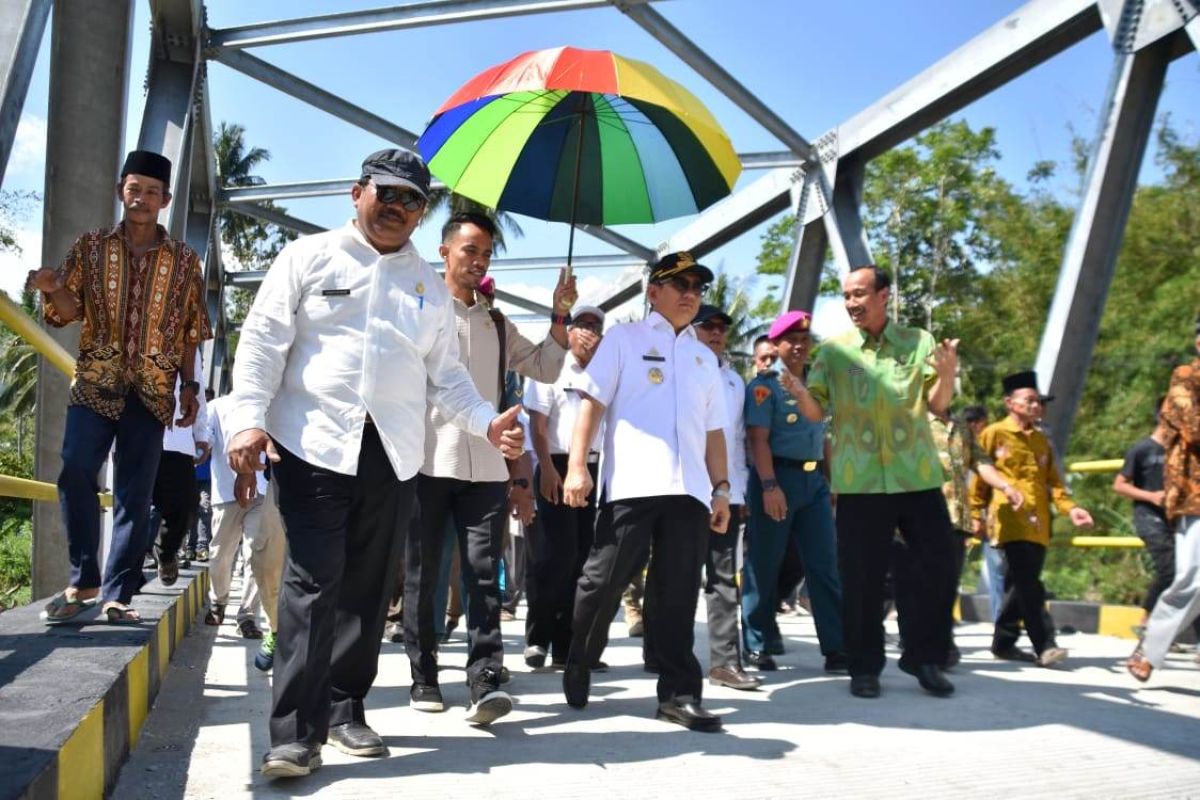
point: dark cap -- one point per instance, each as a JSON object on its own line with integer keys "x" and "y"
{"x": 152, "y": 165}
{"x": 1019, "y": 380}
{"x": 397, "y": 168}
{"x": 680, "y": 263}
{"x": 708, "y": 312}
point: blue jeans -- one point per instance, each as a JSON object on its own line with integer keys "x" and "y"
{"x": 809, "y": 522}
{"x": 992, "y": 571}
{"x": 88, "y": 438}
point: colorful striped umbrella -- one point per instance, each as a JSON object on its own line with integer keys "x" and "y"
{"x": 580, "y": 136}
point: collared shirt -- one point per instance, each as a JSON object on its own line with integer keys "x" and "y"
{"x": 1026, "y": 461}
{"x": 875, "y": 391}
{"x": 222, "y": 476}
{"x": 662, "y": 395}
{"x": 339, "y": 330}
{"x": 139, "y": 319}
{"x": 177, "y": 439}
{"x": 451, "y": 452}
{"x": 954, "y": 451}
{"x": 735, "y": 434}
{"x": 1181, "y": 417}
{"x": 768, "y": 405}
{"x": 559, "y": 403}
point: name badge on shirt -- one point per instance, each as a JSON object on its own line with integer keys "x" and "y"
{"x": 855, "y": 371}
{"x": 653, "y": 358}
{"x": 335, "y": 292}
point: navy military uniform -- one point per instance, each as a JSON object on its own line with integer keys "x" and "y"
{"x": 797, "y": 450}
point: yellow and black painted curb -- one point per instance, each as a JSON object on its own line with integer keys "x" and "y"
{"x": 98, "y": 683}
{"x": 1104, "y": 619}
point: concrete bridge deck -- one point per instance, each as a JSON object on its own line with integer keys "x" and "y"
{"x": 1085, "y": 729}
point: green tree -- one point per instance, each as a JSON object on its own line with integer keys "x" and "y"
{"x": 731, "y": 296}
{"x": 442, "y": 199}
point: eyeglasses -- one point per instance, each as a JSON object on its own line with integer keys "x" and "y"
{"x": 410, "y": 200}
{"x": 717, "y": 327}
{"x": 594, "y": 327}
{"x": 683, "y": 285}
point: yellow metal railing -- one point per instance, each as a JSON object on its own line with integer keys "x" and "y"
{"x": 27, "y": 328}
{"x": 1086, "y": 467}
{"x": 11, "y": 486}
{"x": 1094, "y": 468}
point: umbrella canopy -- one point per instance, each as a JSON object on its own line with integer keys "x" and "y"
{"x": 580, "y": 136}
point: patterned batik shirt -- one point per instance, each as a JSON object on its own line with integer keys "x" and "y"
{"x": 954, "y": 451}
{"x": 139, "y": 318}
{"x": 1181, "y": 417}
{"x": 875, "y": 391}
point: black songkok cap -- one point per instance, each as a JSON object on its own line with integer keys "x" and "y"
{"x": 152, "y": 165}
{"x": 1020, "y": 380}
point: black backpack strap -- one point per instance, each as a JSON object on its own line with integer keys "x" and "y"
{"x": 502, "y": 362}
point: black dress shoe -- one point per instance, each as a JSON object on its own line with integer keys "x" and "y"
{"x": 688, "y": 714}
{"x": 864, "y": 686}
{"x": 293, "y": 760}
{"x": 577, "y": 680}
{"x": 930, "y": 677}
{"x": 356, "y": 739}
{"x": 1015, "y": 654}
{"x": 760, "y": 661}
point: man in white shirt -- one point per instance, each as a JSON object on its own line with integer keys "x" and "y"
{"x": 663, "y": 485}
{"x": 566, "y": 532}
{"x": 176, "y": 497}
{"x": 259, "y": 524}
{"x": 350, "y": 337}
{"x": 466, "y": 481}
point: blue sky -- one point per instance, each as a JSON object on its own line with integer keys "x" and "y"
{"x": 816, "y": 64}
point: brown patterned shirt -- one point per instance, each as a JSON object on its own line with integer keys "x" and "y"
{"x": 139, "y": 318}
{"x": 1181, "y": 418}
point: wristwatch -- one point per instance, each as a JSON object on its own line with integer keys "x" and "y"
{"x": 522, "y": 482}
{"x": 193, "y": 385}
{"x": 560, "y": 319}
{"x": 721, "y": 489}
{"x": 769, "y": 484}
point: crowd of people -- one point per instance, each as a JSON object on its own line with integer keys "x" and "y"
{"x": 384, "y": 416}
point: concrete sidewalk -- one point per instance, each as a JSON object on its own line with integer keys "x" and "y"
{"x": 1084, "y": 730}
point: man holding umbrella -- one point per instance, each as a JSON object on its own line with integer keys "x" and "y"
{"x": 663, "y": 483}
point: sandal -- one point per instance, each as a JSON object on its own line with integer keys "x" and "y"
{"x": 1139, "y": 667}
{"x": 249, "y": 629}
{"x": 121, "y": 614}
{"x": 62, "y": 608}
{"x": 168, "y": 572}
{"x": 215, "y": 615}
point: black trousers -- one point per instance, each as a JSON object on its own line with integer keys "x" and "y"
{"x": 866, "y": 525}
{"x": 1024, "y": 598}
{"x": 345, "y": 536}
{"x": 177, "y": 500}
{"x": 907, "y": 583}
{"x": 677, "y": 527}
{"x": 478, "y": 511}
{"x": 564, "y": 538}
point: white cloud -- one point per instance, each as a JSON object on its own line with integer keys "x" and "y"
{"x": 27, "y": 162}
{"x": 830, "y": 317}
{"x": 14, "y": 267}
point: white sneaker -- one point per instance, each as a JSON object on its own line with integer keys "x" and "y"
{"x": 1051, "y": 656}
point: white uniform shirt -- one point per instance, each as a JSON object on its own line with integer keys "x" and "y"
{"x": 339, "y": 330}
{"x": 222, "y": 475}
{"x": 735, "y": 434}
{"x": 559, "y": 402}
{"x": 178, "y": 439}
{"x": 451, "y": 452}
{"x": 655, "y": 432}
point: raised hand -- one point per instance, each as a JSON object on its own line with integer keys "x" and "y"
{"x": 944, "y": 359}
{"x": 45, "y": 280}
{"x": 506, "y": 434}
{"x": 564, "y": 293}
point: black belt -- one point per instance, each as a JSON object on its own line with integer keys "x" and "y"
{"x": 807, "y": 466}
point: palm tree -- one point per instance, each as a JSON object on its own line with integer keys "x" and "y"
{"x": 254, "y": 243}
{"x": 442, "y": 199}
{"x": 731, "y": 296}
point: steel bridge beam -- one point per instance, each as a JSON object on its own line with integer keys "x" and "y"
{"x": 314, "y": 95}
{"x": 393, "y": 18}
{"x": 22, "y": 24}
{"x": 1096, "y": 233}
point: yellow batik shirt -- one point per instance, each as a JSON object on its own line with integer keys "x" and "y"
{"x": 139, "y": 318}
{"x": 1025, "y": 459}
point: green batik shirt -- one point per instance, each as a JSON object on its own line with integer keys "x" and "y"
{"x": 875, "y": 392}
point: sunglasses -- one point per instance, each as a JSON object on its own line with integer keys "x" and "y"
{"x": 683, "y": 285}
{"x": 714, "y": 326}
{"x": 410, "y": 200}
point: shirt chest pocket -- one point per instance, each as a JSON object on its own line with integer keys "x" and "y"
{"x": 333, "y": 298}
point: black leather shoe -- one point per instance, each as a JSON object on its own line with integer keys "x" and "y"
{"x": 688, "y": 714}
{"x": 577, "y": 680}
{"x": 760, "y": 661}
{"x": 930, "y": 677}
{"x": 1015, "y": 654}
{"x": 294, "y": 760}
{"x": 356, "y": 739}
{"x": 734, "y": 677}
{"x": 864, "y": 686}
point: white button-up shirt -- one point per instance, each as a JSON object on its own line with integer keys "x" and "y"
{"x": 222, "y": 476}
{"x": 662, "y": 395}
{"x": 451, "y": 452}
{"x": 559, "y": 403}
{"x": 339, "y": 330}
{"x": 735, "y": 434}
{"x": 177, "y": 439}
